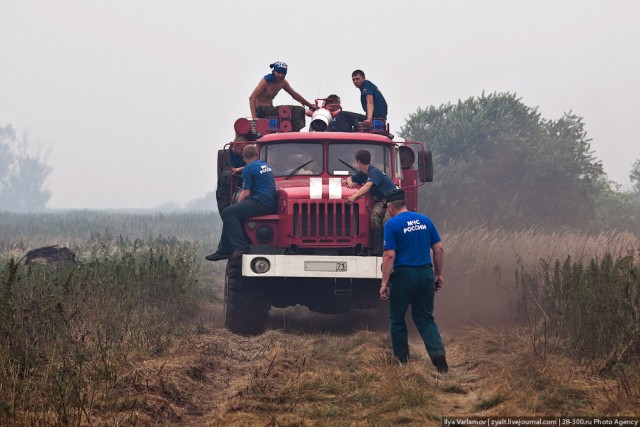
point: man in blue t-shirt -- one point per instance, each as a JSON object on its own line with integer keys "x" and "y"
{"x": 374, "y": 180}
{"x": 372, "y": 100}
{"x": 409, "y": 277}
{"x": 258, "y": 197}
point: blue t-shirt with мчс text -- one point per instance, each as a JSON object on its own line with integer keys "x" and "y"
{"x": 382, "y": 184}
{"x": 258, "y": 178}
{"x": 379, "y": 103}
{"x": 411, "y": 235}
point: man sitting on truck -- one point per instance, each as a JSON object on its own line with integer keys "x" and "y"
{"x": 258, "y": 197}
{"x": 332, "y": 103}
{"x": 374, "y": 180}
{"x": 372, "y": 100}
{"x": 261, "y": 100}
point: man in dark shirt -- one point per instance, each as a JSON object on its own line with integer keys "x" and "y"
{"x": 410, "y": 277}
{"x": 374, "y": 180}
{"x": 372, "y": 100}
{"x": 258, "y": 197}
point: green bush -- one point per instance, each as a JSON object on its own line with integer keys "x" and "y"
{"x": 69, "y": 332}
{"x": 498, "y": 162}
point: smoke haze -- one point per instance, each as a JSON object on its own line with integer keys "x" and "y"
{"x": 133, "y": 99}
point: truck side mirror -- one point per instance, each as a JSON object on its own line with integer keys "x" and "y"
{"x": 426, "y": 167}
{"x": 425, "y": 162}
{"x": 407, "y": 157}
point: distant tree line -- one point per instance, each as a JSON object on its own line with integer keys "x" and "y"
{"x": 635, "y": 177}
{"x": 499, "y": 163}
{"x": 23, "y": 174}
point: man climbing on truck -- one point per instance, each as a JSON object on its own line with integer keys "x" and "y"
{"x": 261, "y": 99}
{"x": 374, "y": 180}
{"x": 258, "y": 197}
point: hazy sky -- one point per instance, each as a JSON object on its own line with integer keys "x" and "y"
{"x": 133, "y": 98}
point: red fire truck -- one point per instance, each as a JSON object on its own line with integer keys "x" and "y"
{"x": 314, "y": 250}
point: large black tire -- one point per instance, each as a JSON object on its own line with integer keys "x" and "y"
{"x": 245, "y": 305}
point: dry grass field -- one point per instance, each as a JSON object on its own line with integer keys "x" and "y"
{"x": 291, "y": 378}
{"x": 133, "y": 335}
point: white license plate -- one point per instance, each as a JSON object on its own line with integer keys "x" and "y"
{"x": 325, "y": 266}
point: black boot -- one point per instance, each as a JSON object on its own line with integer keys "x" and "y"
{"x": 440, "y": 363}
{"x": 216, "y": 256}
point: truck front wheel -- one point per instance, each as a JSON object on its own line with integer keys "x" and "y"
{"x": 245, "y": 306}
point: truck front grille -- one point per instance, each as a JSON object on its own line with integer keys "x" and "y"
{"x": 322, "y": 221}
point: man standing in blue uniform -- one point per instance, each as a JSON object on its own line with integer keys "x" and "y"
{"x": 410, "y": 278}
{"x": 258, "y": 197}
{"x": 372, "y": 100}
{"x": 374, "y": 180}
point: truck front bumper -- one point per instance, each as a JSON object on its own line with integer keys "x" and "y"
{"x": 347, "y": 267}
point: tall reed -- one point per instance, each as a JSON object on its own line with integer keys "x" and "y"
{"x": 481, "y": 265}
{"x": 594, "y": 304}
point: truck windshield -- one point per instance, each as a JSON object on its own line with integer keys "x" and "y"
{"x": 341, "y": 157}
{"x": 285, "y": 158}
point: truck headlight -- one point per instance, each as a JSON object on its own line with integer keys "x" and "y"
{"x": 264, "y": 234}
{"x": 260, "y": 265}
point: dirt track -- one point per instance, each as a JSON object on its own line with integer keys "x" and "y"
{"x": 311, "y": 369}
{"x": 299, "y": 374}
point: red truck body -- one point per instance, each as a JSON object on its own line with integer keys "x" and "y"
{"x": 315, "y": 249}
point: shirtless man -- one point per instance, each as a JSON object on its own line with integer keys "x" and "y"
{"x": 261, "y": 100}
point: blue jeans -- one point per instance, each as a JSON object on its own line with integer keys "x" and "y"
{"x": 345, "y": 120}
{"x": 413, "y": 286}
{"x": 232, "y": 238}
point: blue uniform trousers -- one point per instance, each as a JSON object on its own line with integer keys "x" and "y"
{"x": 413, "y": 286}
{"x": 232, "y": 238}
{"x": 346, "y": 120}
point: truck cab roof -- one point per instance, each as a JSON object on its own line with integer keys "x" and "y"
{"x": 315, "y": 136}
